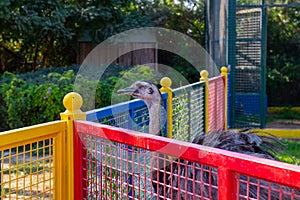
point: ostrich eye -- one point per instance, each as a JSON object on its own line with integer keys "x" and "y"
{"x": 150, "y": 91}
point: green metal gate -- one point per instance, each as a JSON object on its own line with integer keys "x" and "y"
{"x": 246, "y": 54}
{"x": 247, "y": 59}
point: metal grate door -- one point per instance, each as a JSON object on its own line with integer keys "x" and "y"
{"x": 247, "y": 58}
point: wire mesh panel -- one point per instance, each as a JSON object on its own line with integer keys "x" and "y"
{"x": 28, "y": 169}
{"x": 247, "y": 59}
{"x": 115, "y": 170}
{"x": 123, "y": 164}
{"x": 216, "y": 104}
{"x": 253, "y": 188}
{"x": 132, "y": 115}
{"x": 188, "y": 111}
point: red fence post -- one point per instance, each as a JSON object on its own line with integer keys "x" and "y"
{"x": 227, "y": 184}
{"x": 80, "y": 168}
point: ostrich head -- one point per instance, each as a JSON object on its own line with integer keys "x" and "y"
{"x": 150, "y": 94}
{"x": 145, "y": 91}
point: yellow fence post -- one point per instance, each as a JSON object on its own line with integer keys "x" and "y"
{"x": 224, "y": 72}
{"x": 72, "y": 102}
{"x": 204, "y": 77}
{"x": 166, "y": 87}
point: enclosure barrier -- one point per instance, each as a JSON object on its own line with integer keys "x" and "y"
{"x": 86, "y": 160}
{"x": 32, "y": 162}
{"x": 189, "y": 110}
{"x": 113, "y": 155}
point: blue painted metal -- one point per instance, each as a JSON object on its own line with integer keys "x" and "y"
{"x": 249, "y": 103}
{"x": 108, "y": 111}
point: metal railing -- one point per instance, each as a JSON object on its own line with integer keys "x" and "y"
{"x": 216, "y": 104}
{"x": 188, "y": 106}
{"x": 189, "y": 110}
{"x": 86, "y": 160}
{"x": 118, "y": 166}
{"x": 31, "y": 162}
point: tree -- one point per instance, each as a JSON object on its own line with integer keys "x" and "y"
{"x": 185, "y": 16}
{"x": 34, "y": 34}
{"x": 44, "y": 33}
{"x": 283, "y": 61}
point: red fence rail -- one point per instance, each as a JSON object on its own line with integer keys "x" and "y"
{"x": 116, "y": 163}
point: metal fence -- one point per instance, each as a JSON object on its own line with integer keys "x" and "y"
{"x": 188, "y": 113}
{"x": 216, "y": 104}
{"x": 31, "y": 160}
{"x": 118, "y": 166}
{"x": 188, "y": 106}
{"x": 131, "y": 115}
{"x": 189, "y": 116}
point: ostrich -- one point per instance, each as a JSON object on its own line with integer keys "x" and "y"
{"x": 238, "y": 141}
{"x": 151, "y": 95}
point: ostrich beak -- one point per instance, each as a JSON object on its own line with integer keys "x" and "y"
{"x": 125, "y": 91}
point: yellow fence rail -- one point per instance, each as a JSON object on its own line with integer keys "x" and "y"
{"x": 32, "y": 162}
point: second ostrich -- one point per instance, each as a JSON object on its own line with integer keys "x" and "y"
{"x": 237, "y": 141}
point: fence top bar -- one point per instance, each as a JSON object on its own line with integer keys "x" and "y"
{"x": 274, "y": 171}
{"x": 216, "y": 78}
{"x": 27, "y": 133}
{"x": 100, "y": 113}
{"x": 190, "y": 86}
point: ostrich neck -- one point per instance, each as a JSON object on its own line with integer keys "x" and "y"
{"x": 154, "y": 119}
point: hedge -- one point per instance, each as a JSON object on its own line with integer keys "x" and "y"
{"x": 36, "y": 97}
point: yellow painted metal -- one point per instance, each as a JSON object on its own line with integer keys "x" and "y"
{"x": 166, "y": 87}
{"x": 224, "y": 72}
{"x": 32, "y": 161}
{"x": 281, "y": 133}
{"x": 72, "y": 102}
{"x": 21, "y": 135}
{"x": 282, "y": 109}
{"x": 204, "y": 77}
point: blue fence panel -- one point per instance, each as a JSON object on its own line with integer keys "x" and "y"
{"x": 131, "y": 115}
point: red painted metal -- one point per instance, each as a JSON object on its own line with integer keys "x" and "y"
{"x": 229, "y": 165}
{"x": 216, "y": 103}
{"x": 227, "y": 183}
{"x": 80, "y": 179}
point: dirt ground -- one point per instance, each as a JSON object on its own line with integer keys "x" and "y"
{"x": 284, "y": 124}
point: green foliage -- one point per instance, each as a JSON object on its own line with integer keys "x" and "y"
{"x": 185, "y": 16}
{"x": 285, "y": 113}
{"x": 126, "y": 78}
{"x": 283, "y": 61}
{"x": 291, "y": 154}
{"x": 44, "y": 33}
{"x": 34, "y": 34}
{"x": 36, "y": 97}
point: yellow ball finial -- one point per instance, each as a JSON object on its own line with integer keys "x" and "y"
{"x": 72, "y": 101}
{"x": 204, "y": 74}
{"x": 224, "y": 70}
{"x": 166, "y": 82}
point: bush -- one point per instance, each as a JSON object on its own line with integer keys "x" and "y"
{"x": 36, "y": 97}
